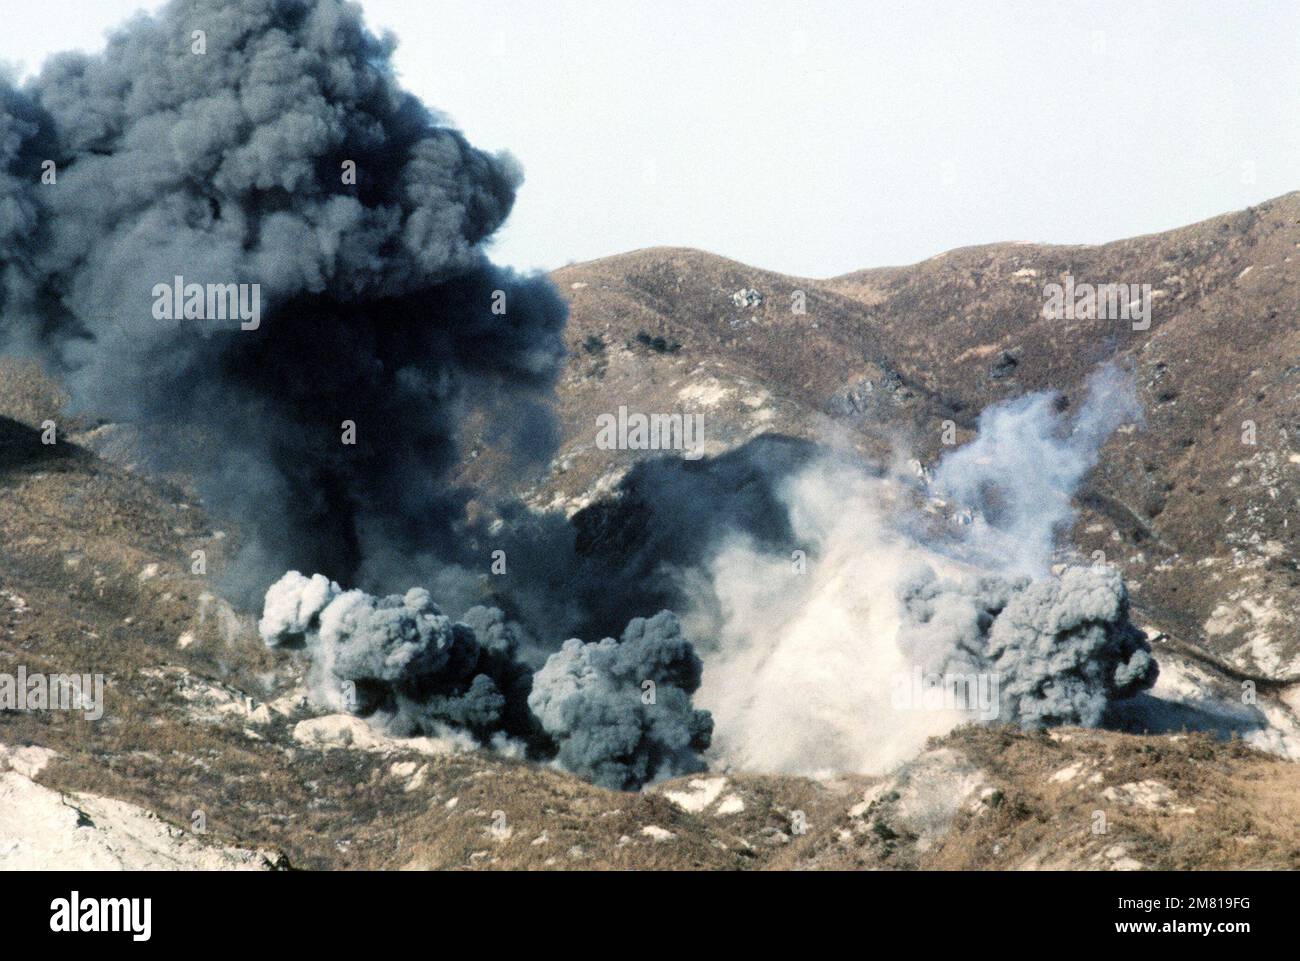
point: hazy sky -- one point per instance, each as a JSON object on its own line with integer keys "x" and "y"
{"x": 819, "y": 136}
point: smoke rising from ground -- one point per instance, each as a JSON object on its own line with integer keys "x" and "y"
{"x": 230, "y": 166}
{"x": 1062, "y": 647}
{"x": 621, "y": 711}
{"x": 615, "y": 712}
{"x": 814, "y": 591}
{"x": 1021, "y": 471}
{"x": 810, "y": 658}
{"x": 402, "y": 662}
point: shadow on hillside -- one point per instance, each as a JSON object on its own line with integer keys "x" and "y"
{"x": 623, "y": 556}
{"x": 1147, "y": 714}
{"x": 21, "y": 448}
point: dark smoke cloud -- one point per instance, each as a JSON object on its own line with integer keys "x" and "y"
{"x": 621, "y": 711}
{"x": 1063, "y": 647}
{"x": 401, "y": 662}
{"x": 227, "y": 167}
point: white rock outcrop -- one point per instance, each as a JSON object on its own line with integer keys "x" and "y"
{"x": 44, "y": 830}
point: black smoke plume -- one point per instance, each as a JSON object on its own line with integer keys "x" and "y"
{"x": 618, "y": 713}
{"x": 230, "y": 165}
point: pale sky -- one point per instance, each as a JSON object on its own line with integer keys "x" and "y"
{"x": 816, "y": 137}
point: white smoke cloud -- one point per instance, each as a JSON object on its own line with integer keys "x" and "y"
{"x": 1020, "y": 473}
{"x": 808, "y": 663}
{"x": 800, "y": 678}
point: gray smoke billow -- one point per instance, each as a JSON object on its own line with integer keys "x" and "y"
{"x": 621, "y": 711}
{"x": 400, "y": 660}
{"x": 616, "y": 712}
{"x": 1062, "y": 647}
{"x": 230, "y": 166}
